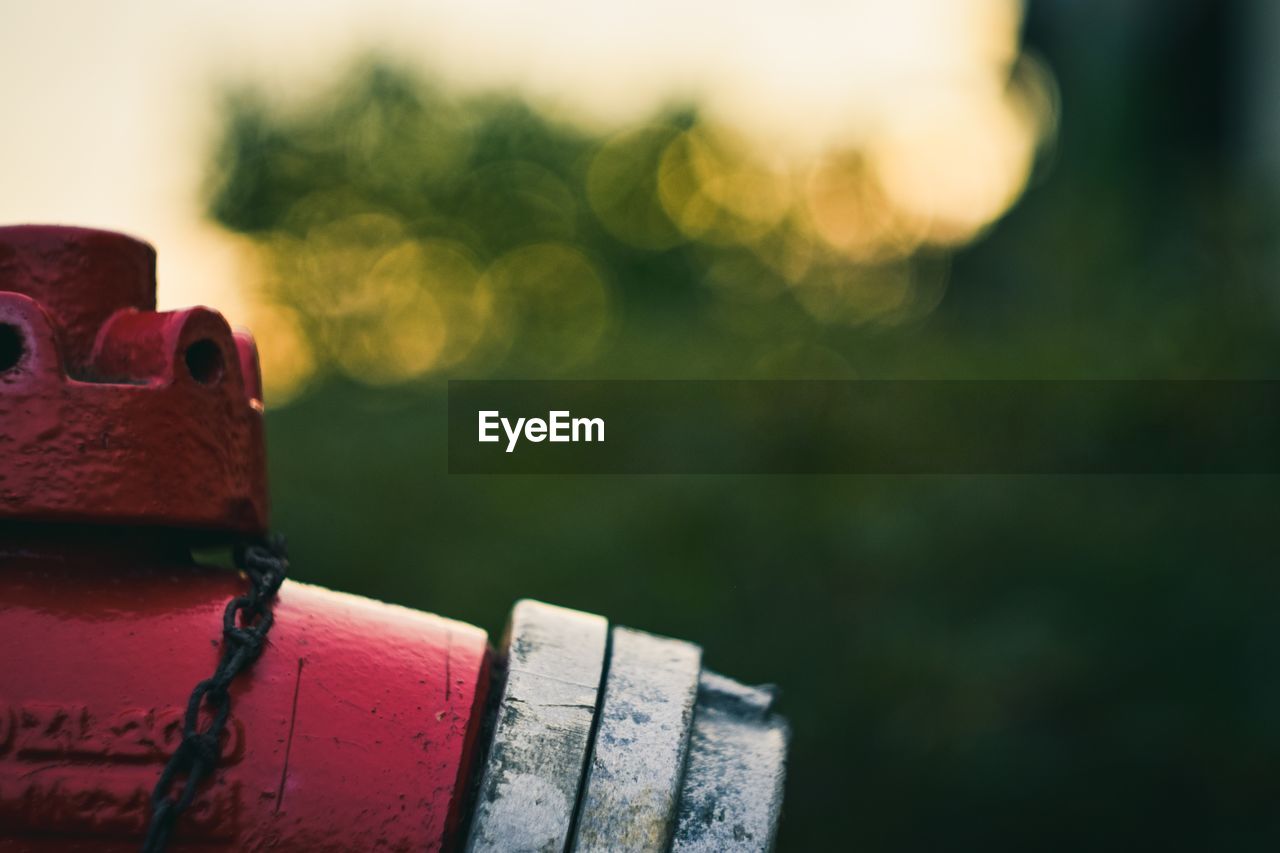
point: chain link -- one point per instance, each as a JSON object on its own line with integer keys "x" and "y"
{"x": 245, "y": 624}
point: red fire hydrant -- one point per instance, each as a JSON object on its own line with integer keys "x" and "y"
{"x": 126, "y": 437}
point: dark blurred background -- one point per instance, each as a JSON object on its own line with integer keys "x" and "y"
{"x": 968, "y": 663}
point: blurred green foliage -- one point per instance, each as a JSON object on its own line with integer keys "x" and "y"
{"x": 969, "y": 663}
{"x": 405, "y": 233}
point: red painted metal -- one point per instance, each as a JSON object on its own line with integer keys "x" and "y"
{"x": 113, "y": 412}
{"x": 352, "y": 731}
{"x": 124, "y": 435}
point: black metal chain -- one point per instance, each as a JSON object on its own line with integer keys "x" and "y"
{"x": 245, "y": 624}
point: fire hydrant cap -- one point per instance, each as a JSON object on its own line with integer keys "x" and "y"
{"x": 111, "y": 411}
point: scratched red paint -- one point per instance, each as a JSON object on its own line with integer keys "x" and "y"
{"x": 116, "y": 413}
{"x": 353, "y": 730}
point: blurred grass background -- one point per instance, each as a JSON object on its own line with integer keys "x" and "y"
{"x": 969, "y": 663}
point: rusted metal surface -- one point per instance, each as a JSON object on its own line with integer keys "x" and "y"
{"x": 529, "y": 789}
{"x": 642, "y": 737}
{"x": 732, "y": 794}
{"x": 110, "y": 411}
{"x": 351, "y": 732}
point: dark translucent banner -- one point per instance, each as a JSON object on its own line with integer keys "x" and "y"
{"x": 864, "y": 427}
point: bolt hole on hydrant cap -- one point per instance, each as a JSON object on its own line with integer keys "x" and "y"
{"x": 11, "y": 347}
{"x": 204, "y": 361}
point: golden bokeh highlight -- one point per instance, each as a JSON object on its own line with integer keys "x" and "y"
{"x": 439, "y": 234}
{"x": 622, "y": 187}
{"x": 954, "y": 163}
{"x": 452, "y": 275}
{"x": 397, "y": 336}
{"x": 369, "y": 301}
{"x": 718, "y": 189}
{"x": 850, "y": 212}
{"x": 552, "y": 308}
{"x": 285, "y": 355}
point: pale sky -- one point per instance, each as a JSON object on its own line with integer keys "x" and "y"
{"x": 108, "y": 115}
